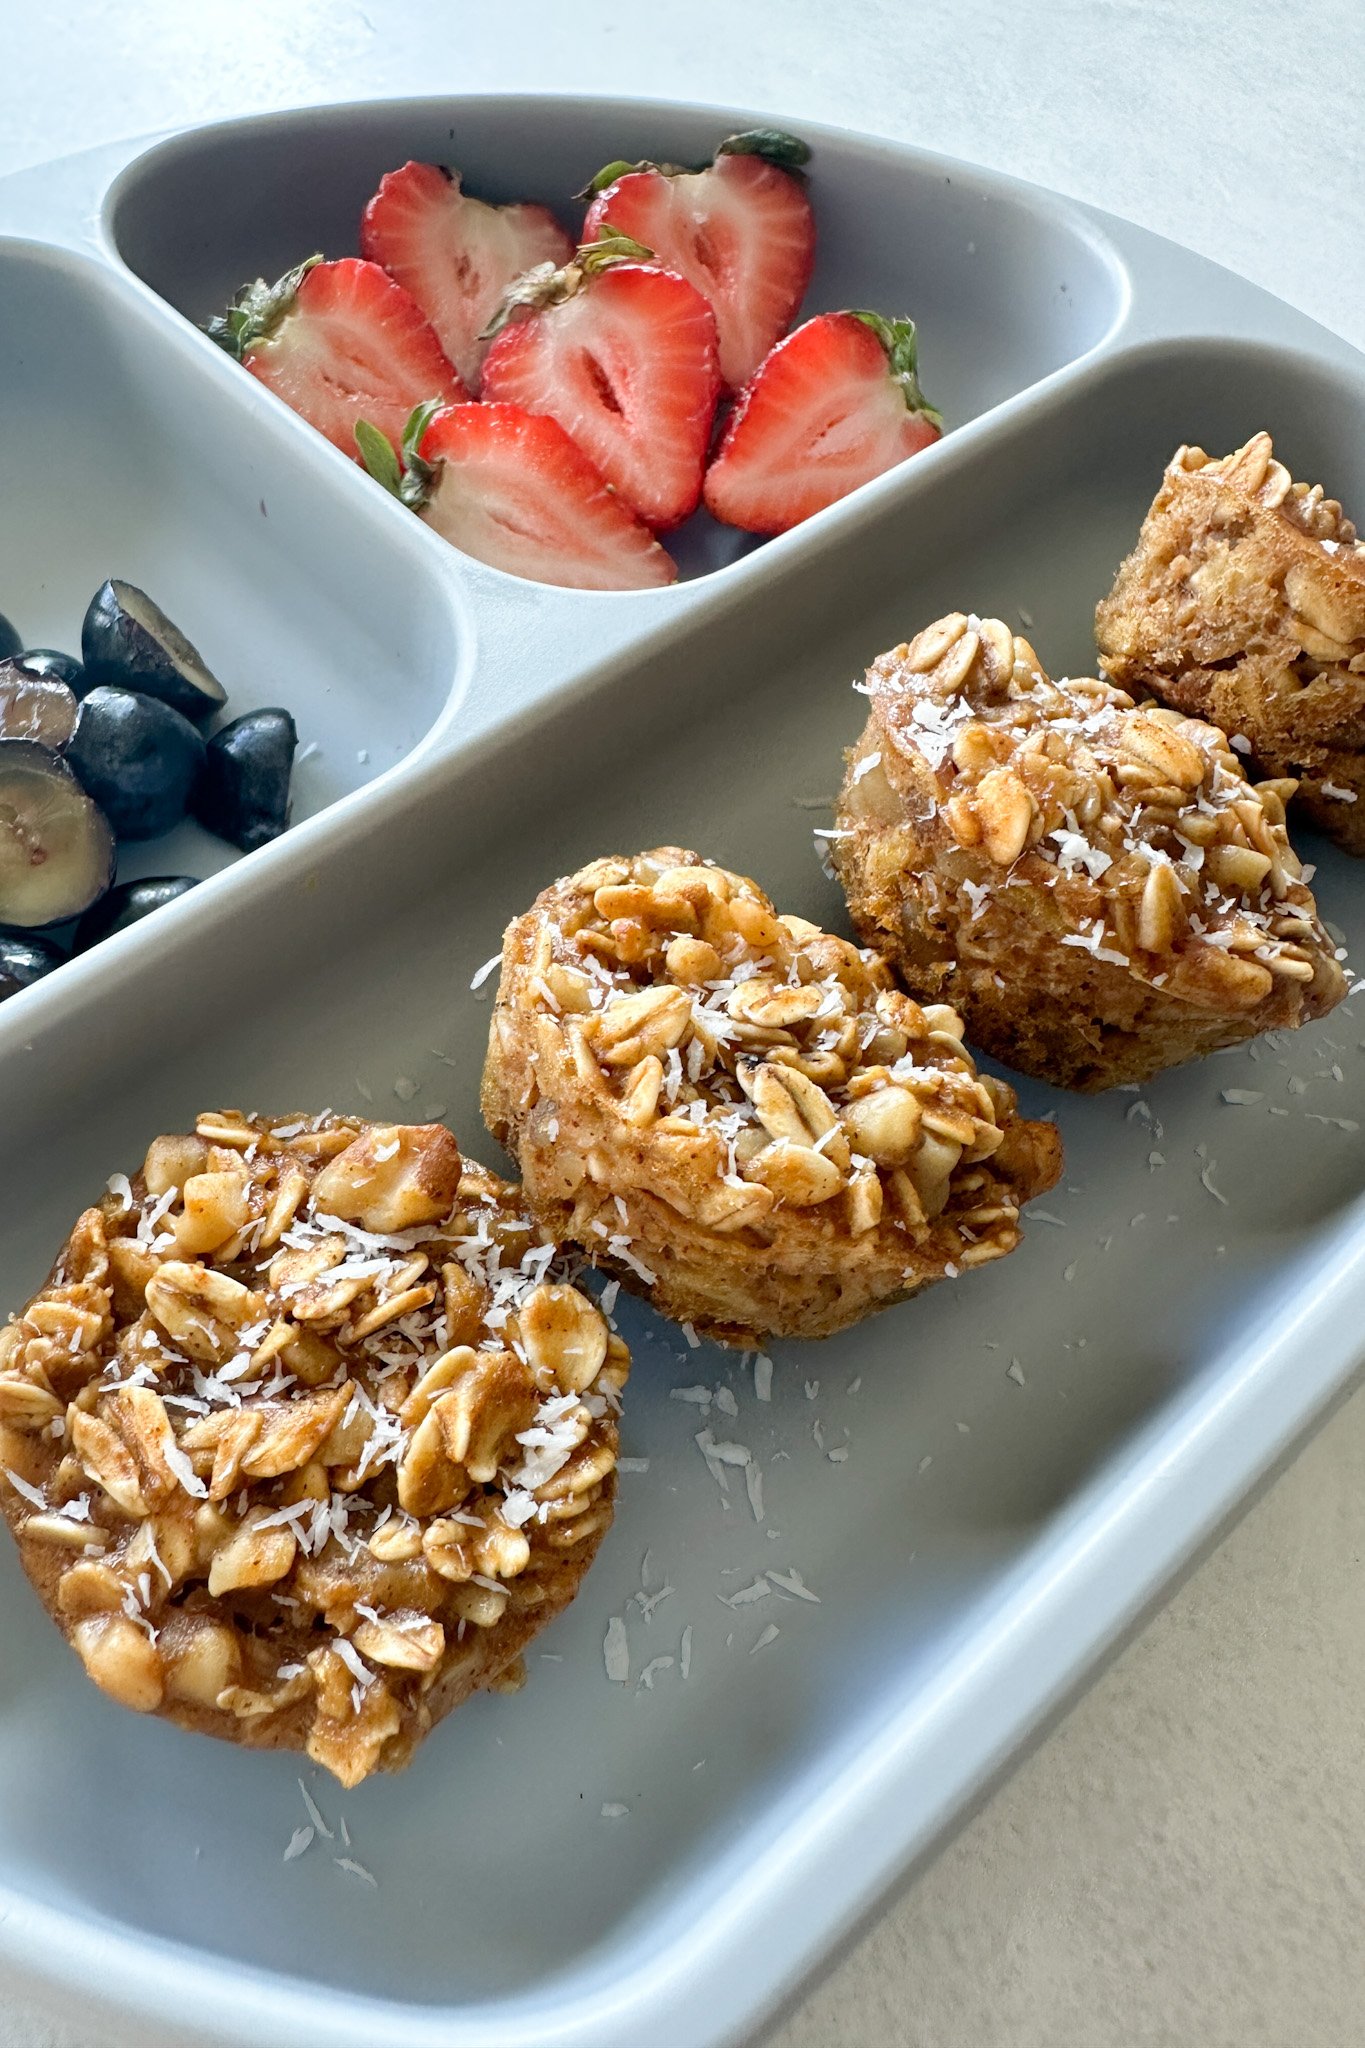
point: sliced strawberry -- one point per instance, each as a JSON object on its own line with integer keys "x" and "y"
{"x": 514, "y": 490}
{"x": 834, "y": 405}
{"x": 339, "y": 342}
{"x": 741, "y": 230}
{"x": 623, "y": 355}
{"x": 456, "y": 255}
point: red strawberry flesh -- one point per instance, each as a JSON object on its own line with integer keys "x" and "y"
{"x": 825, "y": 414}
{"x": 741, "y": 231}
{"x": 354, "y": 345}
{"x": 627, "y": 364}
{"x": 456, "y": 255}
{"x": 513, "y": 490}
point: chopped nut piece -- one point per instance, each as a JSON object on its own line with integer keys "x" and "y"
{"x": 122, "y": 1661}
{"x": 394, "y": 1176}
{"x": 216, "y": 1207}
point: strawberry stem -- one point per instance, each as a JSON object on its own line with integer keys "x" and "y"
{"x": 899, "y": 339}
{"x": 788, "y": 152}
{"x": 257, "y": 310}
{"x": 543, "y": 285}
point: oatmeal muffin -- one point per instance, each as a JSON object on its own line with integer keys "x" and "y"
{"x": 1244, "y": 603}
{"x": 303, "y": 1439}
{"x": 738, "y": 1113}
{"x": 1095, "y": 888}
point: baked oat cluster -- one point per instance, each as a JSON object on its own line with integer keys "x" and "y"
{"x": 739, "y": 1113}
{"x": 1094, "y": 886}
{"x": 1244, "y": 603}
{"x": 305, "y": 1438}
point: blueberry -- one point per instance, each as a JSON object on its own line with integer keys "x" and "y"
{"x": 34, "y": 706}
{"x": 10, "y": 639}
{"x": 137, "y": 758}
{"x": 128, "y": 641}
{"x": 128, "y": 904}
{"x": 57, "y": 851}
{"x": 50, "y": 661}
{"x": 24, "y": 961}
{"x": 243, "y": 794}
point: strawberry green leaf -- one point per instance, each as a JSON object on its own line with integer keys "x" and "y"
{"x": 611, "y": 248}
{"x": 899, "y": 339}
{"x": 788, "y": 152}
{"x": 415, "y": 427}
{"x": 419, "y": 475}
{"x": 411, "y": 480}
{"x": 376, "y": 452}
{"x": 257, "y": 310}
{"x": 608, "y": 175}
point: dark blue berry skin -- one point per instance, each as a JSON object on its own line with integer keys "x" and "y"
{"x": 50, "y": 661}
{"x": 243, "y": 794}
{"x": 128, "y": 642}
{"x": 128, "y": 904}
{"x": 10, "y": 641}
{"x": 137, "y": 758}
{"x": 24, "y": 960}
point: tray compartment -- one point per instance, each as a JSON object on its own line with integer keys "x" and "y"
{"x": 118, "y": 457}
{"x": 1007, "y": 284}
{"x": 361, "y": 964}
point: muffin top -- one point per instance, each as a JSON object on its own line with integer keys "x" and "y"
{"x": 756, "y": 1066}
{"x": 304, "y": 1417}
{"x": 1154, "y": 851}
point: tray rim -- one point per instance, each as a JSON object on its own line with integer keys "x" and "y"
{"x": 1116, "y": 1548}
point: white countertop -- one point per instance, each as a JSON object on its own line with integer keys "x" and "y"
{"x": 1181, "y": 1862}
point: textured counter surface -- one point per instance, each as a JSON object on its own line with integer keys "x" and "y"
{"x": 1183, "y": 1861}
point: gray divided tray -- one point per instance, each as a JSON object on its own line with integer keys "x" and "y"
{"x": 983, "y": 1488}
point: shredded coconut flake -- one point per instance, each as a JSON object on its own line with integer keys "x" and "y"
{"x": 616, "y": 1651}
{"x": 32, "y": 1494}
{"x": 793, "y": 1583}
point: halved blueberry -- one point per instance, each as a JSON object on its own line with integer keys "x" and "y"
{"x": 10, "y": 641}
{"x": 128, "y": 641}
{"x": 128, "y": 904}
{"x": 57, "y": 852}
{"x": 243, "y": 794}
{"x": 34, "y": 706}
{"x": 24, "y": 961}
{"x": 50, "y": 661}
{"x": 137, "y": 758}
